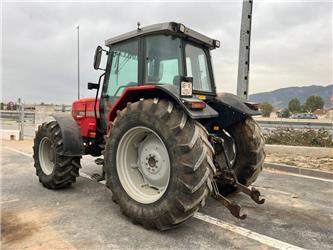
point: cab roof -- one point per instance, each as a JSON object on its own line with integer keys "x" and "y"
{"x": 166, "y": 28}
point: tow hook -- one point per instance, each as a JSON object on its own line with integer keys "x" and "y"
{"x": 253, "y": 193}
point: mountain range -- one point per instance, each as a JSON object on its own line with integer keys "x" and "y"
{"x": 280, "y": 98}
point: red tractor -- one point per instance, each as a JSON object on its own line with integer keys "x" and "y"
{"x": 168, "y": 140}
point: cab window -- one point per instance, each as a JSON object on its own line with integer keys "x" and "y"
{"x": 163, "y": 64}
{"x": 124, "y": 68}
{"x": 197, "y": 67}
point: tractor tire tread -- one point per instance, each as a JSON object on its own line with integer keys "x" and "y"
{"x": 190, "y": 189}
{"x": 66, "y": 168}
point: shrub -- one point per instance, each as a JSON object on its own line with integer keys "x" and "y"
{"x": 300, "y": 137}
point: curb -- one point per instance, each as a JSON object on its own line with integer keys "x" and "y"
{"x": 301, "y": 171}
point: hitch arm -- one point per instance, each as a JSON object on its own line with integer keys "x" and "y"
{"x": 232, "y": 206}
{"x": 253, "y": 193}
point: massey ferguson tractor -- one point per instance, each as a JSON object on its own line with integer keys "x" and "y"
{"x": 166, "y": 139}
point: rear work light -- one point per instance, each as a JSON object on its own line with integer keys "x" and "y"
{"x": 180, "y": 27}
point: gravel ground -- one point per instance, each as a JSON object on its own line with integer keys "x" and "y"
{"x": 319, "y": 163}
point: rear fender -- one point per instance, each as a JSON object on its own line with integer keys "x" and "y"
{"x": 72, "y": 139}
{"x": 169, "y": 92}
{"x": 231, "y": 109}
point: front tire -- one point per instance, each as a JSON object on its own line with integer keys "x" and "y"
{"x": 53, "y": 169}
{"x": 187, "y": 182}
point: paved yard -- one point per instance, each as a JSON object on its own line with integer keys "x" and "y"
{"x": 298, "y": 213}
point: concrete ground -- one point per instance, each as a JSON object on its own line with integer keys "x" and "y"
{"x": 298, "y": 212}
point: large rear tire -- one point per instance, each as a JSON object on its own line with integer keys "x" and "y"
{"x": 249, "y": 155}
{"x": 186, "y": 164}
{"x": 53, "y": 169}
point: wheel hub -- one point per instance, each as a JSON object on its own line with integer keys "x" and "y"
{"x": 151, "y": 163}
{"x": 143, "y": 164}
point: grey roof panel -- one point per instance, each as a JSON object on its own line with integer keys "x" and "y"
{"x": 169, "y": 27}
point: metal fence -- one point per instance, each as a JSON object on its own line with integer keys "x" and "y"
{"x": 9, "y": 115}
{"x": 22, "y": 123}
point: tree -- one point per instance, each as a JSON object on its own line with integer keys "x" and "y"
{"x": 313, "y": 102}
{"x": 266, "y": 109}
{"x": 294, "y": 106}
{"x": 285, "y": 113}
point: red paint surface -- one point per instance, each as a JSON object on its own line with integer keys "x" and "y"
{"x": 129, "y": 95}
{"x": 83, "y": 109}
{"x": 84, "y": 115}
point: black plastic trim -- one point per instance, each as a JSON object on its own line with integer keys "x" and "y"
{"x": 72, "y": 139}
{"x": 173, "y": 91}
{"x": 231, "y": 110}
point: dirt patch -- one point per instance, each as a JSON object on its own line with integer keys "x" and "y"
{"x": 30, "y": 230}
{"x": 324, "y": 164}
{"x": 14, "y": 229}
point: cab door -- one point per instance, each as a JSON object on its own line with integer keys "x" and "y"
{"x": 121, "y": 73}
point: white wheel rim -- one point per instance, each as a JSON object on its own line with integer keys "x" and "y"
{"x": 143, "y": 164}
{"x": 46, "y": 155}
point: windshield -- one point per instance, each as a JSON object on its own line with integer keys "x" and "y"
{"x": 197, "y": 67}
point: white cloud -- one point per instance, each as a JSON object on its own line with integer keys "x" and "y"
{"x": 291, "y": 42}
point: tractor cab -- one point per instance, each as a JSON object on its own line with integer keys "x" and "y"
{"x": 160, "y": 54}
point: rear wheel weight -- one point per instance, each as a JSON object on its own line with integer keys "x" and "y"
{"x": 184, "y": 183}
{"x": 53, "y": 169}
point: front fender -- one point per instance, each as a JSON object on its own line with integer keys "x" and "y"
{"x": 71, "y": 137}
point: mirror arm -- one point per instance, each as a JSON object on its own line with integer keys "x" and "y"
{"x": 95, "y": 111}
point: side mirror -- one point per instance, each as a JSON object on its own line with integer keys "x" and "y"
{"x": 93, "y": 85}
{"x": 97, "y": 57}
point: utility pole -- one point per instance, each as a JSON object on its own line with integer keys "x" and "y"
{"x": 244, "y": 50}
{"x": 78, "y": 61}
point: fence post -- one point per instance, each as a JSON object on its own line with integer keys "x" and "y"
{"x": 21, "y": 120}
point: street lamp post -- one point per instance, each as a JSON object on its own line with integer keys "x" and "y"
{"x": 78, "y": 61}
